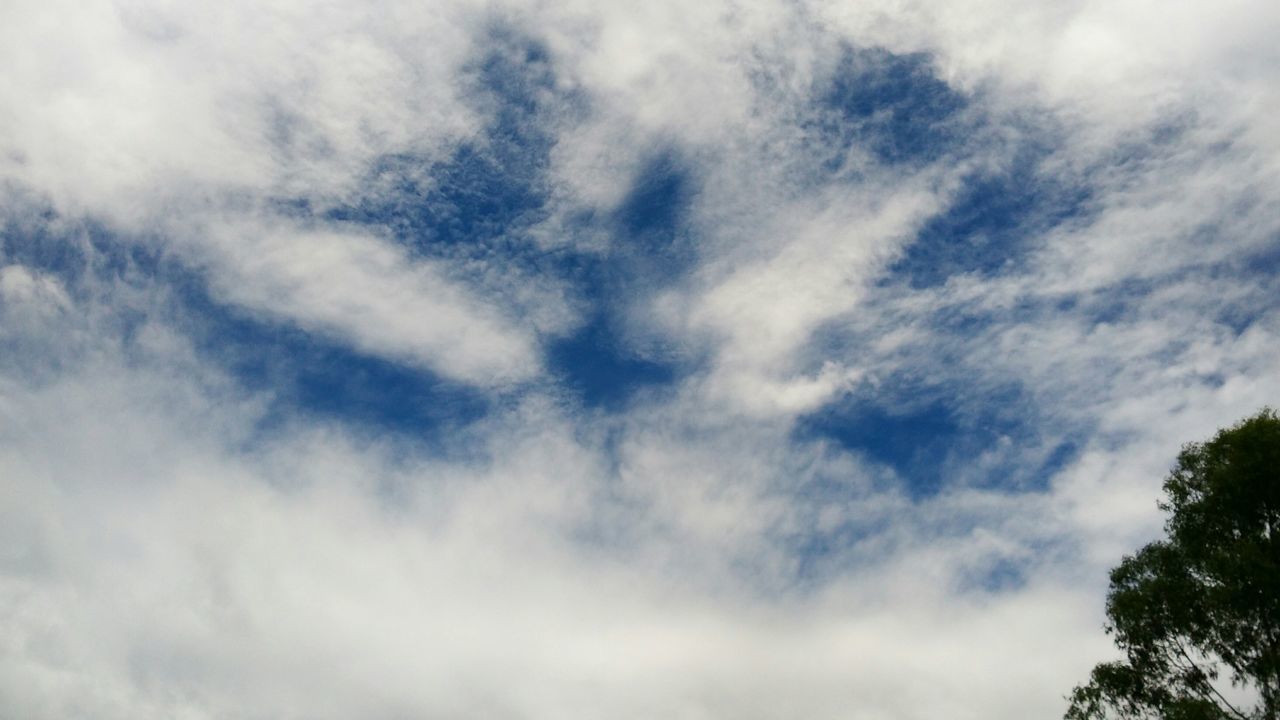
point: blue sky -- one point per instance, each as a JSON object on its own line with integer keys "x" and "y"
{"x": 738, "y": 360}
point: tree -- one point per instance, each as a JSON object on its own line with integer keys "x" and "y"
{"x": 1198, "y": 613}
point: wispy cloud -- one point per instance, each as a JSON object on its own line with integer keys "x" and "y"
{"x": 695, "y": 360}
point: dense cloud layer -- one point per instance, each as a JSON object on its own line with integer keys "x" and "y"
{"x": 705, "y": 360}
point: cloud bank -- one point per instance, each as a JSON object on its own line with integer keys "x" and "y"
{"x": 506, "y": 359}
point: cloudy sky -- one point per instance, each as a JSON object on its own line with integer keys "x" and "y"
{"x": 570, "y": 360}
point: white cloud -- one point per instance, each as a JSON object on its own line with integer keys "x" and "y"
{"x": 32, "y": 294}
{"x": 124, "y": 110}
{"x": 150, "y": 573}
{"x": 686, "y": 556}
{"x": 371, "y": 293}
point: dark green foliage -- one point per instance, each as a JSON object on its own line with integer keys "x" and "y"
{"x": 1201, "y": 610}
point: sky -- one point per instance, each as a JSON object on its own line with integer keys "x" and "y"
{"x": 511, "y": 359}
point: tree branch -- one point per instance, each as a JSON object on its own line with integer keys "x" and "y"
{"x": 1207, "y": 683}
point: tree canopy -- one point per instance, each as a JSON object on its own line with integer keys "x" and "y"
{"x": 1197, "y": 615}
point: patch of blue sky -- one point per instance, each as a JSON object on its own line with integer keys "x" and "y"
{"x": 650, "y": 241}
{"x": 898, "y": 109}
{"x": 653, "y": 243}
{"x": 992, "y": 224}
{"x": 1255, "y": 274}
{"x": 309, "y": 376}
{"x": 650, "y": 247}
{"x": 1116, "y": 302}
{"x": 483, "y": 201}
{"x": 596, "y": 364}
{"x": 1261, "y": 269}
{"x": 655, "y": 207}
{"x": 915, "y": 443}
{"x": 483, "y": 198}
{"x": 28, "y": 239}
{"x": 38, "y": 239}
{"x": 942, "y": 435}
{"x": 890, "y": 104}
{"x": 1001, "y": 574}
{"x": 822, "y": 547}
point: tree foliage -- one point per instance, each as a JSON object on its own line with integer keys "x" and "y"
{"x": 1198, "y": 614}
